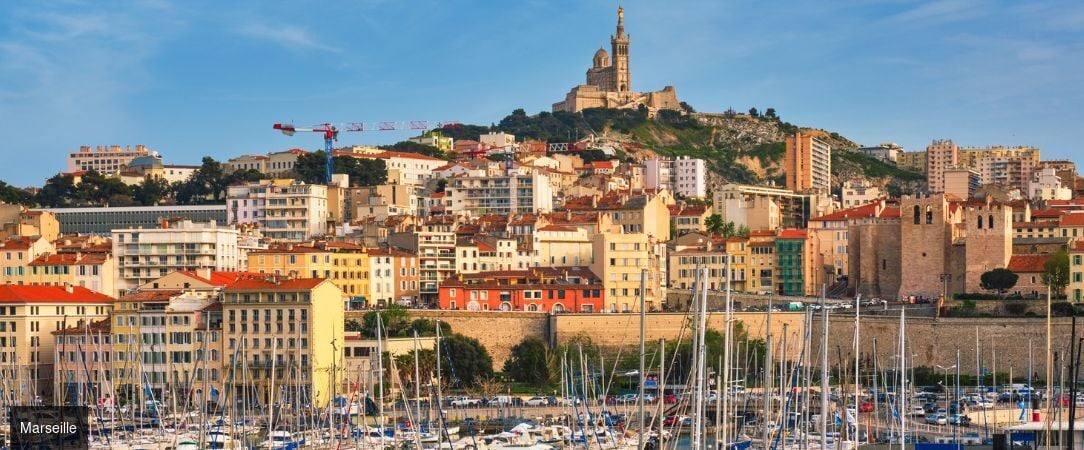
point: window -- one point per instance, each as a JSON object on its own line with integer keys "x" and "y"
{"x": 917, "y": 215}
{"x": 929, "y": 214}
{"x": 990, "y": 222}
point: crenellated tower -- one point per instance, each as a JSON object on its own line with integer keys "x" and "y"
{"x": 619, "y": 49}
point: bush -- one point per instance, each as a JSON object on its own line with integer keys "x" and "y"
{"x": 1062, "y": 309}
{"x": 1016, "y": 309}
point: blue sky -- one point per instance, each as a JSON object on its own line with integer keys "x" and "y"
{"x": 198, "y": 78}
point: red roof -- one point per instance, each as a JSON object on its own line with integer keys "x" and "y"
{"x": 602, "y": 165}
{"x": 794, "y": 234}
{"x": 68, "y": 259}
{"x": 1078, "y": 246}
{"x": 1027, "y": 263}
{"x": 891, "y": 213}
{"x": 1046, "y": 213}
{"x": 556, "y": 228}
{"x": 272, "y": 284}
{"x": 860, "y": 212}
{"x": 10, "y": 293}
{"x": 1073, "y": 220}
{"x": 103, "y": 326}
{"x": 219, "y": 278}
{"x": 150, "y": 296}
{"x": 762, "y": 233}
{"x": 17, "y": 243}
{"x": 391, "y": 154}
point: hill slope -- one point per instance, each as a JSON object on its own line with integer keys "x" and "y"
{"x": 738, "y": 147}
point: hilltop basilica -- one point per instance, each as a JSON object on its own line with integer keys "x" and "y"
{"x": 609, "y": 83}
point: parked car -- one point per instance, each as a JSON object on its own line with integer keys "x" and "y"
{"x": 670, "y": 399}
{"x": 537, "y": 401}
{"x": 936, "y": 419}
{"x": 866, "y": 407}
{"x": 464, "y": 402}
{"x": 918, "y": 411}
{"x": 959, "y": 419}
{"x": 499, "y": 400}
{"x": 627, "y": 398}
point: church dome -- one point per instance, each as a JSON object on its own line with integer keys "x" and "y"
{"x": 602, "y": 59}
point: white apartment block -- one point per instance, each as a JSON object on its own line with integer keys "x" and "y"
{"x": 285, "y": 210}
{"x": 685, "y": 176}
{"x": 106, "y": 160}
{"x": 406, "y": 168}
{"x": 519, "y": 190}
{"x": 859, "y": 192}
{"x": 1045, "y": 184}
{"x": 501, "y": 139}
{"x": 273, "y": 164}
{"x": 557, "y": 245}
{"x": 144, "y": 254}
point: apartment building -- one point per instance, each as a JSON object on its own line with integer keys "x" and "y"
{"x": 807, "y": 163}
{"x": 284, "y": 210}
{"x": 94, "y": 271}
{"x": 886, "y": 152}
{"x": 16, "y": 220}
{"x": 913, "y": 161}
{"x": 551, "y": 290}
{"x": 767, "y": 208}
{"x": 1045, "y": 184}
{"x": 142, "y": 255}
{"x": 761, "y": 262}
{"x": 289, "y": 332}
{"x": 859, "y": 192}
{"x": 941, "y": 155}
{"x": 1075, "y": 290}
{"x": 482, "y": 253}
{"x": 683, "y": 266}
{"x": 684, "y": 176}
{"x": 28, "y": 316}
{"x": 686, "y": 219}
{"x": 106, "y": 159}
{"x": 559, "y": 245}
{"x": 273, "y": 164}
{"x": 165, "y": 345}
{"x": 963, "y": 182}
{"x": 799, "y": 268}
{"x": 618, "y": 261}
{"x": 17, "y": 252}
{"x": 395, "y": 276}
{"x": 83, "y": 364}
{"x": 405, "y": 168}
{"x": 380, "y": 202}
{"x": 344, "y": 264}
{"x": 518, "y": 191}
{"x": 434, "y": 243}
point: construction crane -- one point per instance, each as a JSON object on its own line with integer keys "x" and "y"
{"x": 331, "y": 133}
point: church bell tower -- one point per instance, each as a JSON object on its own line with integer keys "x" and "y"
{"x": 620, "y": 51}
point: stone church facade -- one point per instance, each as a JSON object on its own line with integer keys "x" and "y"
{"x": 609, "y": 82}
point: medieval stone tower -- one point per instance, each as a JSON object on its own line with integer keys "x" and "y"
{"x": 987, "y": 241}
{"x": 925, "y": 246}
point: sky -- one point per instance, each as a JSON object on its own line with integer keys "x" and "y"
{"x": 196, "y": 78}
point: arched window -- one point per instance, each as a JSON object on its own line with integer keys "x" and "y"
{"x": 990, "y": 224}
{"x": 929, "y": 214}
{"x": 505, "y": 306}
{"x": 917, "y": 215}
{"x": 980, "y": 221}
{"x": 558, "y": 308}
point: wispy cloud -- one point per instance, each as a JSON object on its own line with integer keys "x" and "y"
{"x": 289, "y": 36}
{"x": 939, "y": 12}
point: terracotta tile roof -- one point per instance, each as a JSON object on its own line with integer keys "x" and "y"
{"x": 384, "y": 251}
{"x": 762, "y": 233}
{"x": 556, "y": 228}
{"x": 1072, "y": 220}
{"x": 1035, "y": 224}
{"x": 393, "y": 154}
{"x": 890, "y": 213}
{"x": 69, "y": 259}
{"x": 271, "y": 284}
{"x": 794, "y": 234}
{"x": 100, "y": 326}
{"x": 150, "y": 296}
{"x": 290, "y": 249}
{"x": 17, "y": 243}
{"x": 1027, "y": 263}
{"x": 1046, "y": 213}
{"x": 50, "y": 294}
{"x": 860, "y": 212}
{"x": 1078, "y": 246}
{"x": 220, "y": 278}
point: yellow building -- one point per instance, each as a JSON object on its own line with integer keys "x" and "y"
{"x": 284, "y": 331}
{"x": 1076, "y": 272}
{"x": 619, "y": 259}
{"x": 738, "y": 250}
{"x": 345, "y": 264}
{"x": 94, "y": 271}
{"x": 28, "y": 316}
{"x": 761, "y": 262}
{"x": 682, "y": 271}
{"x": 16, "y": 254}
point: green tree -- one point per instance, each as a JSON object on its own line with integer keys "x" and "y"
{"x": 1056, "y": 272}
{"x": 427, "y": 364}
{"x": 414, "y": 147}
{"x": 151, "y": 191}
{"x": 770, "y": 112}
{"x": 527, "y": 363}
{"x": 728, "y": 230}
{"x": 13, "y": 195}
{"x": 714, "y": 224}
{"x": 352, "y": 325}
{"x": 58, "y": 192}
{"x": 753, "y": 112}
{"x": 394, "y": 320}
{"x": 466, "y": 362}
{"x": 999, "y": 280}
{"x": 311, "y": 168}
{"x": 211, "y": 178}
{"x": 743, "y": 231}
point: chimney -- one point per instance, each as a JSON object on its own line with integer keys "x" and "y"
{"x": 68, "y": 288}
{"x": 204, "y": 272}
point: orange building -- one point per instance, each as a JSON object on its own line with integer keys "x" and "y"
{"x": 539, "y": 289}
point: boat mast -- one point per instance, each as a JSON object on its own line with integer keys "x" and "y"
{"x": 824, "y": 372}
{"x": 643, "y": 317}
{"x": 857, "y": 351}
{"x": 698, "y": 398}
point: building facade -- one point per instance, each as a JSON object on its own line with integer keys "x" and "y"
{"x": 284, "y": 210}
{"x": 145, "y": 254}
{"x": 807, "y": 163}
